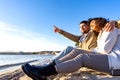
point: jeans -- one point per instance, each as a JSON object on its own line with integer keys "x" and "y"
{"x": 64, "y": 52}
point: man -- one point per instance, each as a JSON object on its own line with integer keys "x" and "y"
{"x": 86, "y": 41}
{"x": 84, "y": 28}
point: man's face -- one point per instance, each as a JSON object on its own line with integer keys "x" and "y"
{"x": 84, "y": 28}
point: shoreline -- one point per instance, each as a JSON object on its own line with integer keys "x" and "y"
{"x": 15, "y": 73}
{"x": 8, "y": 66}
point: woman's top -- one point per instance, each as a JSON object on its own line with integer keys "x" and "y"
{"x": 109, "y": 43}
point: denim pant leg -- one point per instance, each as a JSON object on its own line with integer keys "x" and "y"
{"x": 64, "y": 52}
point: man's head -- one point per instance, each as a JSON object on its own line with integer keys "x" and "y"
{"x": 84, "y": 28}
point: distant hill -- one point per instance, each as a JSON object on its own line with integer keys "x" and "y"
{"x": 40, "y": 52}
{"x": 46, "y": 52}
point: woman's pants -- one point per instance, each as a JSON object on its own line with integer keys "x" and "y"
{"x": 80, "y": 58}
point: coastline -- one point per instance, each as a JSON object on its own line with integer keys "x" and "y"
{"x": 12, "y": 66}
{"x": 14, "y": 72}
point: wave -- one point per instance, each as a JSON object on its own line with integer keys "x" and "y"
{"x": 16, "y": 64}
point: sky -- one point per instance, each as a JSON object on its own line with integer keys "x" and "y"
{"x": 27, "y": 25}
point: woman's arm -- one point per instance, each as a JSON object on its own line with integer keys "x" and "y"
{"x": 107, "y": 42}
{"x": 107, "y": 39}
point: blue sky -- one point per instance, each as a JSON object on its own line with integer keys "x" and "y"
{"x": 27, "y": 25}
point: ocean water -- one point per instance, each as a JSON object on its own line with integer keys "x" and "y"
{"x": 13, "y": 60}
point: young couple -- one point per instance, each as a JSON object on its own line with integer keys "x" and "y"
{"x": 105, "y": 57}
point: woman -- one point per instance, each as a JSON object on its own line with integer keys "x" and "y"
{"x": 118, "y": 24}
{"x": 105, "y": 57}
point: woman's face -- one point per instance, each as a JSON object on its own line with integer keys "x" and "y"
{"x": 94, "y": 26}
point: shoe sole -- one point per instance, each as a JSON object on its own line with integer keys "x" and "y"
{"x": 30, "y": 74}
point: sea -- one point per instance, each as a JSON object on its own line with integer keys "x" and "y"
{"x": 8, "y": 61}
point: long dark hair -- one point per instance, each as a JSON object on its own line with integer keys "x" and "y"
{"x": 100, "y": 22}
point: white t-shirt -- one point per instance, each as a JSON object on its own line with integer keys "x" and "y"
{"x": 82, "y": 38}
{"x": 109, "y": 43}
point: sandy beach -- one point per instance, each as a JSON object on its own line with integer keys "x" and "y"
{"x": 12, "y": 74}
{"x": 82, "y": 74}
{"x": 16, "y": 73}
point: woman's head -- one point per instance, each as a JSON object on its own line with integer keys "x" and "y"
{"x": 97, "y": 23}
{"x": 118, "y": 23}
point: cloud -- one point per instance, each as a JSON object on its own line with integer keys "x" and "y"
{"x": 13, "y": 38}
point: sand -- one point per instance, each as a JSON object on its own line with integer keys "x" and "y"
{"x": 82, "y": 74}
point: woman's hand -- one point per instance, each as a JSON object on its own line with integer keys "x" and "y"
{"x": 56, "y": 29}
{"x": 109, "y": 26}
